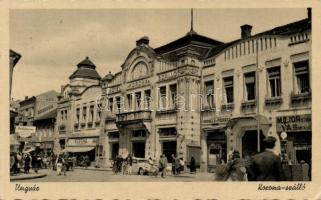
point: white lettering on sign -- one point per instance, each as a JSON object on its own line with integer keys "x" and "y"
{"x": 25, "y": 131}
{"x": 294, "y": 123}
{"x": 82, "y": 142}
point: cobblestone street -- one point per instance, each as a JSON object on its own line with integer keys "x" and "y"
{"x": 82, "y": 175}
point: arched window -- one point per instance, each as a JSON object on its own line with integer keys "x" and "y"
{"x": 140, "y": 70}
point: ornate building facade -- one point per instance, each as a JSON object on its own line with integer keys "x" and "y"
{"x": 200, "y": 97}
{"x": 78, "y": 117}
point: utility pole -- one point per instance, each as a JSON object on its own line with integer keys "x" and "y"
{"x": 257, "y": 96}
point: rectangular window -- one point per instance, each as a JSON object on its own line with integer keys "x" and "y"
{"x": 162, "y": 97}
{"x": 302, "y": 77}
{"x": 173, "y": 94}
{"x": 209, "y": 94}
{"x": 66, "y": 114}
{"x": 84, "y": 113}
{"x": 91, "y": 113}
{"x": 129, "y": 102}
{"x": 147, "y": 99}
{"x": 62, "y": 115}
{"x": 138, "y": 96}
{"x": 118, "y": 103}
{"x": 111, "y": 104}
{"x": 275, "y": 81}
{"x": 77, "y": 115}
{"x": 139, "y": 133}
{"x": 249, "y": 79}
{"x": 228, "y": 87}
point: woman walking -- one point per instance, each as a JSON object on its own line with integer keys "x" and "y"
{"x": 60, "y": 164}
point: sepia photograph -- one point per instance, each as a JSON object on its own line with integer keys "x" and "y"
{"x": 160, "y": 95}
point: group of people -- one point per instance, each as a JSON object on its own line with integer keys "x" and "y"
{"x": 264, "y": 166}
{"x": 123, "y": 165}
{"x": 23, "y": 162}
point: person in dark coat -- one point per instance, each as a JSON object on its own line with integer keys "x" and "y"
{"x": 235, "y": 169}
{"x": 266, "y": 166}
{"x": 27, "y": 164}
{"x": 192, "y": 165}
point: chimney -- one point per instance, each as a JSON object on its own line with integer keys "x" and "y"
{"x": 309, "y": 13}
{"x": 246, "y": 31}
{"x": 143, "y": 40}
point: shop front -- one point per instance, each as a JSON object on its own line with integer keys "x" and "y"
{"x": 83, "y": 148}
{"x": 299, "y": 136}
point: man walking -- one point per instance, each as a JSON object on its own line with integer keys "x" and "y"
{"x": 266, "y": 166}
{"x": 162, "y": 165}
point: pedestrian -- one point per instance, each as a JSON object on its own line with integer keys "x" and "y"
{"x": 124, "y": 166}
{"x": 173, "y": 165}
{"x": 13, "y": 163}
{"x": 177, "y": 165}
{"x": 163, "y": 165}
{"x": 236, "y": 170}
{"x": 129, "y": 164}
{"x": 59, "y": 163}
{"x": 19, "y": 161}
{"x": 27, "y": 161}
{"x": 192, "y": 165}
{"x": 266, "y": 166}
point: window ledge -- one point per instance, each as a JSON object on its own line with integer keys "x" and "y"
{"x": 303, "y": 97}
{"x": 166, "y": 111}
{"x": 208, "y": 109}
{"x": 248, "y": 103}
{"x": 273, "y": 100}
{"x": 227, "y": 107}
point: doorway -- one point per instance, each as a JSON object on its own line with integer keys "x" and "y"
{"x": 250, "y": 143}
{"x": 114, "y": 150}
{"x": 139, "y": 149}
{"x": 169, "y": 148}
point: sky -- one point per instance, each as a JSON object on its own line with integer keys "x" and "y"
{"x": 53, "y": 42}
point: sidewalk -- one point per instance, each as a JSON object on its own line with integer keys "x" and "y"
{"x": 31, "y": 175}
{"x": 94, "y": 168}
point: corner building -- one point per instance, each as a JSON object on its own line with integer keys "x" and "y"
{"x": 200, "y": 97}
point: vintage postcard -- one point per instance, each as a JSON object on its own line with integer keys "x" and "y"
{"x": 147, "y": 100}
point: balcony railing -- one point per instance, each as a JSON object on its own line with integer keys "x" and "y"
{"x": 133, "y": 116}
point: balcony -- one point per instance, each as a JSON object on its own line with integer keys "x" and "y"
{"x": 132, "y": 117}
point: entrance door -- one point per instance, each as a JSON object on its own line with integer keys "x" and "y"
{"x": 114, "y": 150}
{"x": 169, "y": 148}
{"x": 249, "y": 143}
{"x": 139, "y": 149}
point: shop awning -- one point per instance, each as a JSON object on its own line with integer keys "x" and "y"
{"x": 28, "y": 150}
{"x": 78, "y": 149}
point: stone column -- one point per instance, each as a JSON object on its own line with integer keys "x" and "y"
{"x": 204, "y": 152}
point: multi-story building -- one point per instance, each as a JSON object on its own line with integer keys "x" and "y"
{"x": 78, "y": 117}
{"x": 40, "y": 113}
{"x": 200, "y": 97}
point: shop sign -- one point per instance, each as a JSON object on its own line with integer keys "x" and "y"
{"x": 25, "y": 131}
{"x": 294, "y": 123}
{"x": 82, "y": 142}
{"x": 220, "y": 120}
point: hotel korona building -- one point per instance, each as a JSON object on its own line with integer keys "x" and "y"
{"x": 195, "y": 96}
